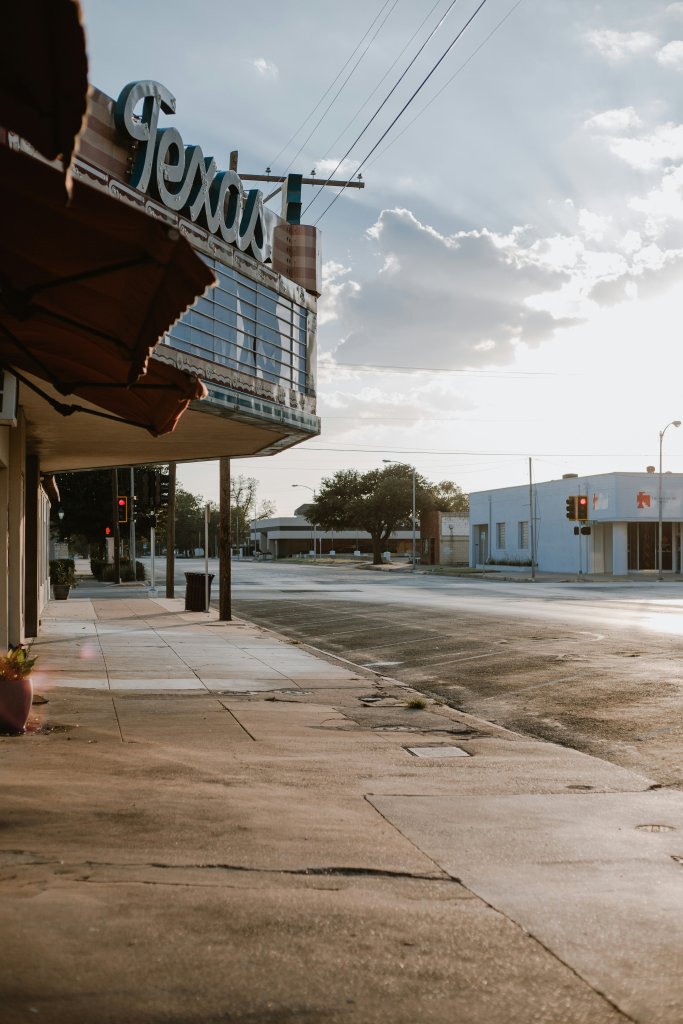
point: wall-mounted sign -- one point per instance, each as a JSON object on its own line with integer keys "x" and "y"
{"x": 182, "y": 178}
{"x": 9, "y": 398}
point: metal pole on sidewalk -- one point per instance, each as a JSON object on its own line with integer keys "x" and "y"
{"x": 225, "y": 544}
{"x": 206, "y": 558}
{"x": 131, "y": 520}
{"x": 152, "y": 567}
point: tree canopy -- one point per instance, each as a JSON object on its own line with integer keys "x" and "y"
{"x": 380, "y": 501}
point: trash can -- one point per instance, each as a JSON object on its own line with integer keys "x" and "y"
{"x": 195, "y": 591}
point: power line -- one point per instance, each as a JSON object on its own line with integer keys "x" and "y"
{"x": 476, "y": 454}
{"x": 446, "y": 84}
{"x": 362, "y": 367}
{"x": 334, "y": 81}
{"x": 384, "y": 102}
{"x": 340, "y": 89}
{"x": 382, "y": 79}
{"x": 406, "y": 105}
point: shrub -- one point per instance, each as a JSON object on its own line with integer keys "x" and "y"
{"x": 63, "y": 572}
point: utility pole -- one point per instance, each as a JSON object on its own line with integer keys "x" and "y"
{"x": 131, "y": 522}
{"x": 532, "y": 529}
{"x": 225, "y": 545}
{"x": 170, "y": 532}
{"x": 115, "y": 521}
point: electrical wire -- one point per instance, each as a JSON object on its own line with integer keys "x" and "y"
{"x": 382, "y": 80}
{"x": 333, "y": 82}
{"x": 384, "y": 102}
{"x": 339, "y": 90}
{"x": 362, "y": 367}
{"x": 446, "y": 84}
{"x": 407, "y": 104}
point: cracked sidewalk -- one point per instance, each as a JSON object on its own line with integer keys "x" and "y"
{"x": 210, "y": 823}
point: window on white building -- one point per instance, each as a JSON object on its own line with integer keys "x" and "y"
{"x": 523, "y": 538}
{"x": 500, "y": 535}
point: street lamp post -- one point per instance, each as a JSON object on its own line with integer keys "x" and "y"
{"x": 395, "y": 463}
{"x": 674, "y": 423}
{"x": 312, "y": 489}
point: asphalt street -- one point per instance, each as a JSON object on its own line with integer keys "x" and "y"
{"x": 595, "y": 666}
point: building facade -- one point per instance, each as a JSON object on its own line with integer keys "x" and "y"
{"x": 290, "y": 536}
{"x": 180, "y": 320}
{"x": 444, "y": 539}
{"x": 619, "y": 536}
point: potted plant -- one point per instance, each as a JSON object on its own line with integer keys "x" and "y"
{"x": 62, "y": 577}
{"x": 16, "y": 689}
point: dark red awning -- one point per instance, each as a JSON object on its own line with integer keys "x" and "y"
{"x": 88, "y": 289}
{"x": 44, "y": 74}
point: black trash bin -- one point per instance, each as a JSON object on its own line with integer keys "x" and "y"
{"x": 195, "y": 591}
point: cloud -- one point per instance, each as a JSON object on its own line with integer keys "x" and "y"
{"x": 662, "y": 145}
{"x": 346, "y": 168}
{"x": 336, "y": 284}
{"x": 592, "y": 225}
{"x": 662, "y": 204}
{"x": 621, "y": 119}
{"x": 619, "y": 46}
{"x": 671, "y": 55}
{"x": 675, "y": 10}
{"x": 449, "y": 301}
{"x": 265, "y": 67}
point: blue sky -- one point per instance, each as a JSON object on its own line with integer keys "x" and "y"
{"x": 524, "y": 232}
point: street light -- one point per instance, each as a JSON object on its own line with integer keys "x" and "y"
{"x": 395, "y": 463}
{"x": 674, "y": 423}
{"x": 312, "y": 489}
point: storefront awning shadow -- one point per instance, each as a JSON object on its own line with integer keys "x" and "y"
{"x": 87, "y": 289}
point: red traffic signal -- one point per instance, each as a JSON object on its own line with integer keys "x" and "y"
{"x": 107, "y": 531}
{"x": 123, "y": 510}
{"x": 582, "y": 508}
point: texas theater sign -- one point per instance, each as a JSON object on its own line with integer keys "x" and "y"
{"x": 182, "y": 178}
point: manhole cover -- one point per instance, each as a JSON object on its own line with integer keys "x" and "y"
{"x": 439, "y": 751}
{"x": 655, "y": 828}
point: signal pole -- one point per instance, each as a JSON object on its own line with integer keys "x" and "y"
{"x": 115, "y": 524}
{"x": 170, "y": 532}
{"x": 131, "y": 513}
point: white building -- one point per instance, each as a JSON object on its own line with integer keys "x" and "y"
{"x": 619, "y": 536}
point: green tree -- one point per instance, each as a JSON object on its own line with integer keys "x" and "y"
{"x": 448, "y": 497}
{"x": 189, "y": 522}
{"x": 380, "y": 502}
{"x": 86, "y": 503}
{"x": 243, "y": 507}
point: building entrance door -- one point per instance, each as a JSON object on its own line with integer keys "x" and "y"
{"x": 643, "y": 546}
{"x": 482, "y": 543}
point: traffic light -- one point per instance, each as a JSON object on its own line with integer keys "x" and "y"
{"x": 123, "y": 510}
{"x": 582, "y": 508}
{"x": 107, "y": 531}
{"x": 163, "y": 482}
{"x": 572, "y": 507}
{"x": 146, "y": 484}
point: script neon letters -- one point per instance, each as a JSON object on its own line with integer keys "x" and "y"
{"x": 182, "y": 178}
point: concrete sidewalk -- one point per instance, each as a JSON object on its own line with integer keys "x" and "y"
{"x": 209, "y": 823}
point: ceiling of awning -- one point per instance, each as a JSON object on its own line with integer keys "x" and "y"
{"x": 86, "y": 291}
{"x": 71, "y": 443}
{"x": 44, "y": 74}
